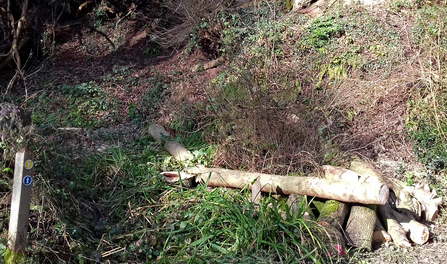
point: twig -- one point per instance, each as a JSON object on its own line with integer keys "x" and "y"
{"x": 100, "y": 241}
{"x": 113, "y": 251}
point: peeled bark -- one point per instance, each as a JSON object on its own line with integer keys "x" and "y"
{"x": 360, "y": 227}
{"x": 355, "y": 192}
{"x": 176, "y": 149}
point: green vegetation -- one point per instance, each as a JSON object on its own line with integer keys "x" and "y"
{"x": 118, "y": 200}
{"x": 225, "y": 223}
{"x": 84, "y": 105}
{"x": 427, "y": 122}
{"x": 322, "y": 30}
{"x": 278, "y": 106}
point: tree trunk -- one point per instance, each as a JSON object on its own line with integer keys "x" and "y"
{"x": 355, "y": 192}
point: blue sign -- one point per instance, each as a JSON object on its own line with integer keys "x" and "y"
{"x": 27, "y": 180}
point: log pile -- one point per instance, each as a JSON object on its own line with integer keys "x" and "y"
{"x": 361, "y": 206}
{"x": 404, "y": 213}
{"x": 376, "y": 214}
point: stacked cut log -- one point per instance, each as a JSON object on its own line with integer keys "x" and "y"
{"x": 332, "y": 216}
{"x": 404, "y": 213}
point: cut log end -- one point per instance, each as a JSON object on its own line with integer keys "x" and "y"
{"x": 419, "y": 233}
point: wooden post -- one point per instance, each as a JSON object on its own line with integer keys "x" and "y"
{"x": 20, "y": 204}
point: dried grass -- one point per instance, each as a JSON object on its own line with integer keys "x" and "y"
{"x": 269, "y": 140}
{"x": 377, "y": 109}
{"x": 186, "y": 15}
{"x": 363, "y": 114}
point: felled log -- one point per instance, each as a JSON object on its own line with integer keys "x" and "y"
{"x": 355, "y": 192}
{"x": 176, "y": 149}
{"x": 360, "y": 227}
{"x": 419, "y": 233}
{"x": 398, "y": 223}
{"x": 398, "y": 233}
{"x": 334, "y": 213}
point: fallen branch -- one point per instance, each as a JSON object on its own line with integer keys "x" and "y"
{"x": 355, "y": 192}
